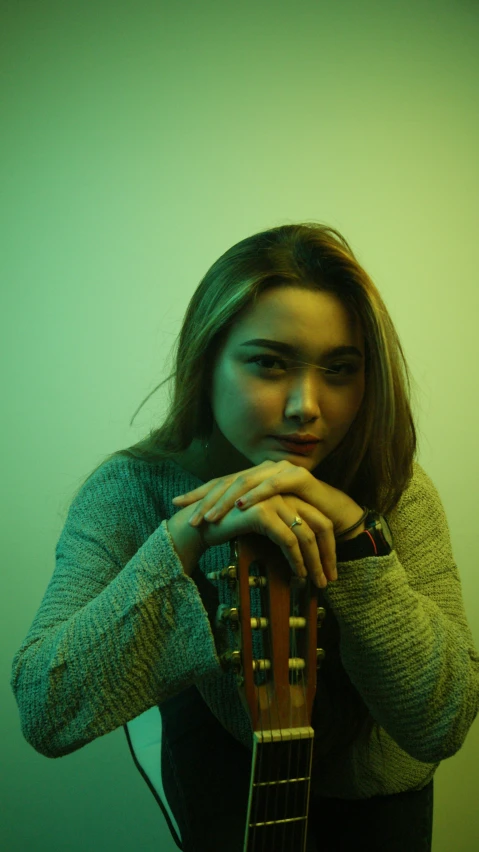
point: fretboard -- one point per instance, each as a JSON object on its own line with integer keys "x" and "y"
{"x": 277, "y": 816}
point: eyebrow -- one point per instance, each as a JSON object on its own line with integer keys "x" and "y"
{"x": 290, "y": 349}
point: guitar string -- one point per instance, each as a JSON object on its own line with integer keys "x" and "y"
{"x": 260, "y": 678}
{"x": 279, "y": 791}
{"x": 303, "y": 744}
{"x": 300, "y": 743}
{"x": 299, "y": 749}
{"x": 284, "y": 794}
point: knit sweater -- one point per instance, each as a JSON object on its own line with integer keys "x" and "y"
{"x": 122, "y": 627}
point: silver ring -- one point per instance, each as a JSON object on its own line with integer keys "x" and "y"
{"x": 297, "y": 520}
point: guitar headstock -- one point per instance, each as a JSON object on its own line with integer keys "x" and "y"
{"x": 275, "y": 622}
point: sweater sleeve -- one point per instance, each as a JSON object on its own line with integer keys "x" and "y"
{"x": 121, "y": 627}
{"x": 405, "y": 641}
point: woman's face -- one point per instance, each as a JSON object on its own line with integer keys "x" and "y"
{"x": 252, "y": 401}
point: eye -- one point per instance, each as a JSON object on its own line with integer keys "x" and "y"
{"x": 333, "y": 371}
{"x": 258, "y": 358}
{"x": 350, "y": 368}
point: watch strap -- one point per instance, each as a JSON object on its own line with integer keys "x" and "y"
{"x": 375, "y": 540}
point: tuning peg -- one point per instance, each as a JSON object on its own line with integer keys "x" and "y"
{"x": 321, "y": 615}
{"x": 228, "y": 573}
{"x": 231, "y": 661}
{"x": 225, "y": 614}
{"x": 320, "y": 655}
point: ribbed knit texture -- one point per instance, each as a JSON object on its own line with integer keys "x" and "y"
{"x": 121, "y": 628}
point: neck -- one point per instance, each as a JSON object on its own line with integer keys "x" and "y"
{"x": 277, "y": 815}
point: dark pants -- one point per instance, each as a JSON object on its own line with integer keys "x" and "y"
{"x": 206, "y": 777}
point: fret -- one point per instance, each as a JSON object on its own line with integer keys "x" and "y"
{"x": 279, "y": 791}
{"x": 283, "y": 781}
{"x": 275, "y": 622}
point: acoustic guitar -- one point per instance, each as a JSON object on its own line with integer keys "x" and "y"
{"x": 274, "y": 623}
{"x": 274, "y": 627}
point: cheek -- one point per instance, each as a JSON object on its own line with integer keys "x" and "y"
{"x": 346, "y": 410}
{"x": 236, "y": 389}
{"x": 254, "y": 405}
{"x": 261, "y": 399}
{"x": 342, "y": 410}
{"x": 239, "y": 399}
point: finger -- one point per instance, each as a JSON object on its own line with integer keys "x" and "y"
{"x": 271, "y": 525}
{"x": 308, "y": 546}
{"x": 239, "y": 483}
{"x": 250, "y": 493}
{"x": 322, "y": 551}
{"x": 200, "y": 492}
{"x": 299, "y": 548}
{"x": 222, "y": 498}
{"x": 298, "y": 552}
{"x": 208, "y": 503}
{"x": 317, "y": 546}
{"x": 327, "y": 549}
{"x": 238, "y": 495}
{"x": 191, "y": 496}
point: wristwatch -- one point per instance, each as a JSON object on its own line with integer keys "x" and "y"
{"x": 375, "y": 540}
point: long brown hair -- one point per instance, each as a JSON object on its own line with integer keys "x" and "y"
{"x": 374, "y": 462}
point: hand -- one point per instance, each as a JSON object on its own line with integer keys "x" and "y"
{"x": 309, "y": 547}
{"x": 337, "y": 510}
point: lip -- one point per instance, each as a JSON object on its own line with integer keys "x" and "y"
{"x": 297, "y": 448}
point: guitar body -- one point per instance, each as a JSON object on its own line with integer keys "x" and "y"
{"x": 275, "y": 621}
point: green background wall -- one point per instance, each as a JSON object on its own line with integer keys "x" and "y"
{"x": 140, "y": 140}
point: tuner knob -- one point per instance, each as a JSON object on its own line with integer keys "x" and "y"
{"x": 321, "y": 615}
{"x": 228, "y": 573}
{"x": 231, "y": 660}
{"x": 320, "y": 655}
{"x": 229, "y": 614}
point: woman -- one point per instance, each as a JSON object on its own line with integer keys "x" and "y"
{"x": 128, "y": 621}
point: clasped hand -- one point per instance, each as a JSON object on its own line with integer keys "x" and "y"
{"x": 334, "y": 508}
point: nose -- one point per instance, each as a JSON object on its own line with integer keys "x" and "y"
{"x": 303, "y": 402}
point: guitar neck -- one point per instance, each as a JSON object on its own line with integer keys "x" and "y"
{"x": 277, "y": 816}
{"x": 277, "y": 684}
